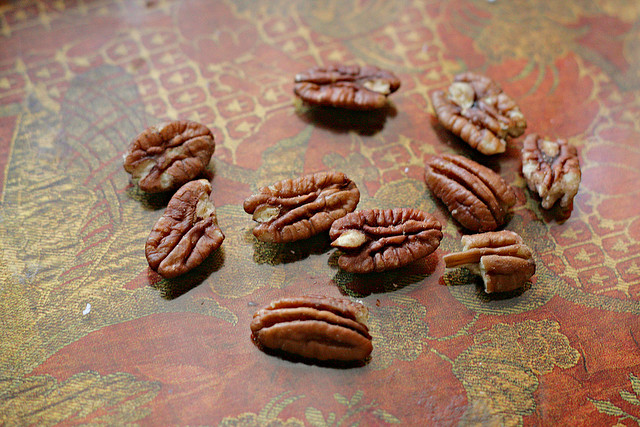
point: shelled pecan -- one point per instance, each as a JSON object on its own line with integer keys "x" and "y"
{"x": 477, "y": 110}
{"x": 346, "y": 86}
{"x": 551, "y": 169}
{"x": 501, "y": 258}
{"x": 477, "y": 197}
{"x": 163, "y": 158}
{"x": 295, "y": 209}
{"x": 379, "y": 240}
{"x": 187, "y": 232}
{"x": 314, "y": 327}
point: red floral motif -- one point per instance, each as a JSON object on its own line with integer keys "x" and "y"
{"x": 214, "y": 34}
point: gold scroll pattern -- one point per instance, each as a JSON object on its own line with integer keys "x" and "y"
{"x": 86, "y": 397}
{"x": 353, "y": 411}
{"x": 500, "y": 370}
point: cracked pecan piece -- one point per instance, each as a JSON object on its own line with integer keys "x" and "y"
{"x": 296, "y": 209}
{"x": 501, "y": 258}
{"x": 477, "y": 110}
{"x": 314, "y": 327}
{"x": 551, "y": 169}
{"x": 477, "y": 197}
{"x": 346, "y": 86}
{"x": 187, "y": 232}
{"x": 379, "y": 240}
{"x": 164, "y": 157}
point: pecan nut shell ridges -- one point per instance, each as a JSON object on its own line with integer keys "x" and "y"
{"x": 346, "y": 86}
{"x": 187, "y": 233}
{"x": 165, "y": 157}
{"x": 477, "y": 110}
{"x": 477, "y": 197}
{"x": 314, "y": 327}
{"x": 551, "y": 169}
{"x": 501, "y": 258}
{"x": 379, "y": 240}
{"x": 296, "y": 209}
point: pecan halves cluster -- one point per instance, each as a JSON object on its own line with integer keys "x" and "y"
{"x": 551, "y": 169}
{"x": 477, "y": 110}
{"x": 379, "y": 240}
{"x": 165, "y": 157}
{"x": 501, "y": 258}
{"x": 346, "y": 86}
{"x": 296, "y": 209}
{"x": 186, "y": 233}
{"x": 314, "y": 327}
{"x": 477, "y": 197}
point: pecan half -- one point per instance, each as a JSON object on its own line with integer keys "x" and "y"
{"x": 477, "y": 110}
{"x": 501, "y": 258}
{"x": 551, "y": 169}
{"x": 346, "y": 86}
{"x": 187, "y": 232}
{"x": 295, "y": 209}
{"x": 379, "y": 240}
{"x": 314, "y": 327}
{"x": 163, "y": 158}
{"x": 477, "y": 197}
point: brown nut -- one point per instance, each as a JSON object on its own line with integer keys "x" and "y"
{"x": 187, "y": 232}
{"x": 295, "y": 209}
{"x": 477, "y": 197}
{"x": 551, "y": 169}
{"x": 379, "y": 240}
{"x": 501, "y": 258}
{"x": 314, "y": 327}
{"x": 477, "y": 110}
{"x": 163, "y": 158}
{"x": 343, "y": 86}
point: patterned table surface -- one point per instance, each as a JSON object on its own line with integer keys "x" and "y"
{"x": 89, "y": 334}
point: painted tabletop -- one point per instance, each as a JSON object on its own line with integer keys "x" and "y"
{"x": 89, "y": 334}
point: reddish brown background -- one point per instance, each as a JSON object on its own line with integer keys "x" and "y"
{"x": 89, "y": 334}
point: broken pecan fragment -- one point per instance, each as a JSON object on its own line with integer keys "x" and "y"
{"x": 295, "y": 209}
{"x": 187, "y": 232}
{"x": 501, "y": 258}
{"x": 477, "y": 110}
{"x": 343, "y": 86}
{"x": 163, "y": 158}
{"x": 551, "y": 169}
{"x": 314, "y": 327}
{"x": 477, "y": 197}
{"x": 379, "y": 240}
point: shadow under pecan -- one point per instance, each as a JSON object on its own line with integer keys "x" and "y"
{"x": 551, "y": 169}
{"x": 379, "y": 240}
{"x": 165, "y": 157}
{"x": 314, "y": 327}
{"x": 501, "y": 258}
{"x": 477, "y": 197}
{"x": 187, "y": 233}
{"x": 346, "y": 86}
{"x": 296, "y": 209}
{"x": 477, "y": 110}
